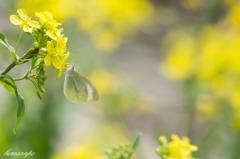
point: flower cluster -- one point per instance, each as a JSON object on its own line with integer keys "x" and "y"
{"x": 120, "y": 152}
{"x": 107, "y": 22}
{"x": 123, "y": 151}
{"x": 176, "y": 149}
{"x": 24, "y": 21}
{"x": 51, "y": 40}
{"x": 210, "y": 58}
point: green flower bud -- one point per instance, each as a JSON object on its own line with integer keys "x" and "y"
{"x": 162, "y": 141}
{"x": 41, "y": 89}
{"x": 42, "y": 62}
{"x": 35, "y": 45}
{"x": 39, "y": 95}
{"x": 41, "y": 82}
{"x": 44, "y": 77}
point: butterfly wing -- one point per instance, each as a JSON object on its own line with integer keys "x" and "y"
{"x": 78, "y": 88}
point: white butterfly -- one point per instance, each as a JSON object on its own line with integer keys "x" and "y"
{"x": 78, "y": 88}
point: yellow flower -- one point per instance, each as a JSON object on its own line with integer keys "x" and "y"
{"x": 55, "y": 33}
{"x": 56, "y": 55}
{"x": 46, "y": 19}
{"x": 52, "y": 56}
{"x": 176, "y": 149}
{"x": 79, "y": 152}
{"x": 179, "y": 64}
{"x": 63, "y": 64}
{"x": 24, "y": 21}
{"x": 112, "y": 21}
{"x": 181, "y": 149}
{"x": 61, "y": 45}
{"x": 97, "y": 17}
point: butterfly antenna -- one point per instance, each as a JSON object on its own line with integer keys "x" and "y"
{"x": 76, "y": 60}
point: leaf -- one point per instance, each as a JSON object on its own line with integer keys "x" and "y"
{"x": 135, "y": 145}
{"x": 10, "y": 86}
{"x": 3, "y": 40}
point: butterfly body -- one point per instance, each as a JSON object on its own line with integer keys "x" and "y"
{"x": 78, "y": 88}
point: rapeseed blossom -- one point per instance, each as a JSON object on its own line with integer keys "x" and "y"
{"x": 46, "y": 19}
{"x": 54, "y": 47}
{"x": 24, "y": 21}
{"x": 210, "y": 58}
{"x": 176, "y": 149}
{"x": 107, "y": 22}
{"x": 57, "y": 46}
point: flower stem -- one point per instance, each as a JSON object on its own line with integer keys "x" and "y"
{"x": 19, "y": 79}
{"x": 8, "y": 68}
{"x": 18, "y": 41}
{"x": 33, "y": 83}
{"x": 27, "y": 53}
{"x": 20, "y": 59}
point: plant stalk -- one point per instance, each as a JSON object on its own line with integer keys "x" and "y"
{"x": 20, "y": 59}
{"x": 19, "y": 79}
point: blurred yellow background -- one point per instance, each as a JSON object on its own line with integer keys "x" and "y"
{"x": 161, "y": 67}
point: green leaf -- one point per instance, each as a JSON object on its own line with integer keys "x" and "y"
{"x": 135, "y": 145}
{"x": 9, "y": 85}
{"x": 3, "y": 40}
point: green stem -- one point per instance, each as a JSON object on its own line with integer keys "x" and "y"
{"x": 19, "y": 79}
{"x": 33, "y": 83}
{"x": 8, "y": 68}
{"x": 27, "y": 53}
{"x": 20, "y": 59}
{"x": 18, "y": 41}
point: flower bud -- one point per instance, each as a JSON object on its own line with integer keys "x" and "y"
{"x": 41, "y": 89}
{"x": 44, "y": 77}
{"x": 41, "y": 82}
{"x": 35, "y": 45}
{"x": 39, "y": 95}
{"x": 163, "y": 141}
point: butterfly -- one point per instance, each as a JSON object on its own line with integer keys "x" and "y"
{"x": 78, "y": 88}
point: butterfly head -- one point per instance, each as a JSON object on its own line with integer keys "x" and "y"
{"x": 70, "y": 69}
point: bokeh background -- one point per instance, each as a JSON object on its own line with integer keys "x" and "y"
{"x": 161, "y": 67}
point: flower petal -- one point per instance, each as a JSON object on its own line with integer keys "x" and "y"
{"x": 48, "y": 15}
{"x": 51, "y": 34}
{"x": 50, "y": 48}
{"x": 48, "y": 60}
{"x": 16, "y": 20}
{"x": 22, "y": 13}
{"x": 52, "y": 23}
{"x": 41, "y": 17}
{"x": 56, "y": 62}
{"x": 37, "y": 14}
{"x": 66, "y": 57}
{"x": 60, "y": 73}
{"x": 34, "y": 24}
{"x": 175, "y": 137}
{"x": 26, "y": 28}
